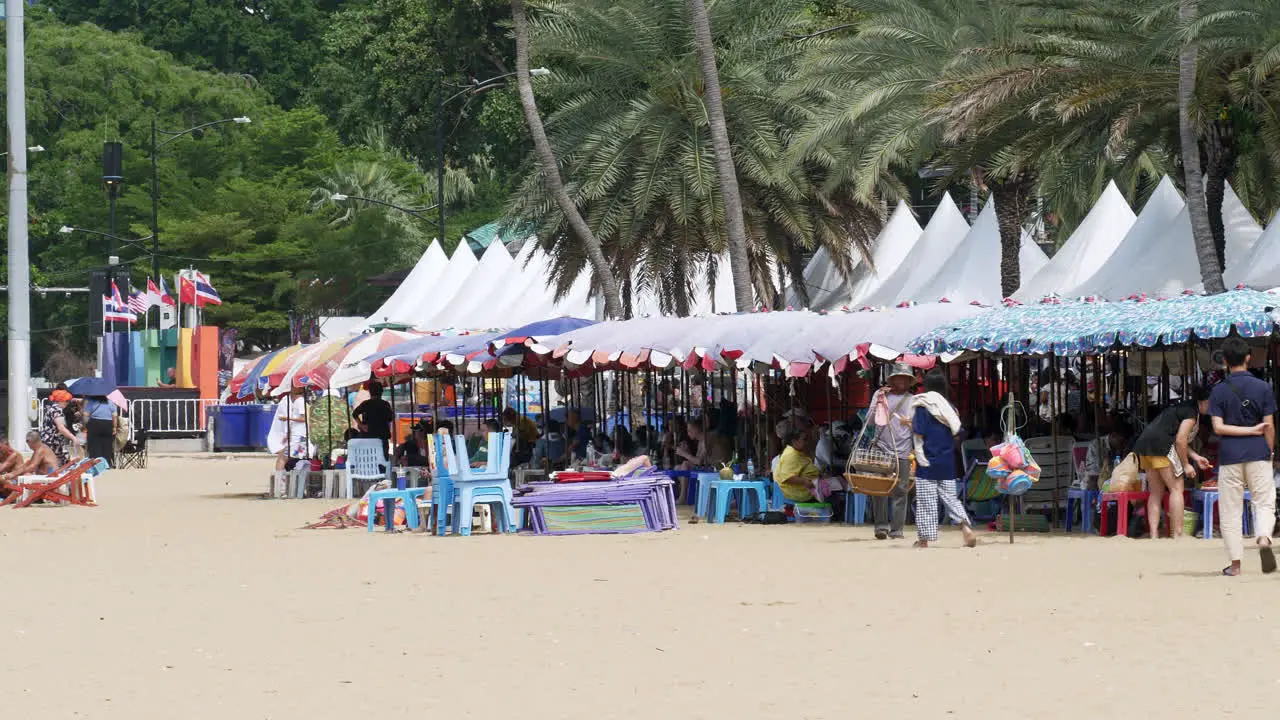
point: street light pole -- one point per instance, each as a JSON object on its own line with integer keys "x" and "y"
{"x": 19, "y": 257}
{"x": 155, "y": 184}
{"x": 155, "y": 211}
{"x": 440, "y": 158}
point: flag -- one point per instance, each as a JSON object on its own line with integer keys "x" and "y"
{"x": 110, "y": 313}
{"x": 119, "y": 310}
{"x": 205, "y": 294}
{"x": 165, "y": 297}
{"x": 154, "y": 298}
{"x": 186, "y": 289}
{"x": 138, "y": 301}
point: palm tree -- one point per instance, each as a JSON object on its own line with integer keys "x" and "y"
{"x": 632, "y": 131}
{"x": 1189, "y": 140}
{"x": 733, "y": 222}
{"x": 551, "y": 169}
{"x": 877, "y": 105}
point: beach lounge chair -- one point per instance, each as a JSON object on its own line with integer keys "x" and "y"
{"x": 73, "y": 486}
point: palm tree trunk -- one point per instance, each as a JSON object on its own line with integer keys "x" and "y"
{"x": 1206, "y": 253}
{"x": 1220, "y": 162}
{"x": 735, "y": 226}
{"x": 551, "y": 169}
{"x": 1013, "y": 201}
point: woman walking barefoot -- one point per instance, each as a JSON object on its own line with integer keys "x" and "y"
{"x": 935, "y": 425}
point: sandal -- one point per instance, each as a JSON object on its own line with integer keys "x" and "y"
{"x": 1268, "y": 558}
{"x": 920, "y": 544}
{"x": 1229, "y": 572}
{"x": 882, "y": 534}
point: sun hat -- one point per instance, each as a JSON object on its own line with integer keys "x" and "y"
{"x": 902, "y": 370}
{"x": 60, "y": 396}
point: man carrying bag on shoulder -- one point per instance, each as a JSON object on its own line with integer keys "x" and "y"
{"x": 1243, "y": 410}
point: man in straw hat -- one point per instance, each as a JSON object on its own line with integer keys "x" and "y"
{"x": 891, "y": 412}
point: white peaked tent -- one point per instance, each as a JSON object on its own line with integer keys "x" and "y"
{"x": 484, "y": 277}
{"x": 1088, "y": 248}
{"x": 939, "y": 240}
{"x": 1136, "y": 248}
{"x": 521, "y": 285}
{"x": 972, "y": 273}
{"x": 896, "y": 240}
{"x": 414, "y": 291}
{"x": 1163, "y": 262}
{"x": 829, "y": 290}
{"x": 823, "y": 280}
{"x": 1260, "y": 269}
{"x": 429, "y": 296}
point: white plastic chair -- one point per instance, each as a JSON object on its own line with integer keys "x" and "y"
{"x": 366, "y": 461}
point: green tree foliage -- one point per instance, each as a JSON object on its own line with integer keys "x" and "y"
{"x": 631, "y": 132}
{"x": 236, "y": 200}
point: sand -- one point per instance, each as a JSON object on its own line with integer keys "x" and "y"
{"x": 186, "y": 596}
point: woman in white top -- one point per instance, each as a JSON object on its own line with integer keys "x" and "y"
{"x": 288, "y": 435}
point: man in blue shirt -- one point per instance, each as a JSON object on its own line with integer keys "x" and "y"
{"x": 1243, "y": 410}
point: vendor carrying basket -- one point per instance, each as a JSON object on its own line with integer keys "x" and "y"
{"x": 871, "y": 470}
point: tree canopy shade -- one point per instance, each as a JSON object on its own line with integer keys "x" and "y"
{"x": 236, "y": 200}
{"x": 633, "y": 141}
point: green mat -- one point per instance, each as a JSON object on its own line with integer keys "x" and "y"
{"x": 594, "y": 518}
{"x": 1024, "y": 523}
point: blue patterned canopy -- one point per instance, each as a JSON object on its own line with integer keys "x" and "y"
{"x": 1087, "y": 326}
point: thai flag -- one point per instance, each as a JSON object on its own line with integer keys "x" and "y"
{"x": 115, "y": 310}
{"x": 138, "y": 301}
{"x": 165, "y": 297}
{"x": 205, "y": 294}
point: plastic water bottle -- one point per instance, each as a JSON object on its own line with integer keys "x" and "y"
{"x": 751, "y": 469}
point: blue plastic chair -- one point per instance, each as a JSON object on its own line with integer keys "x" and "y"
{"x": 1208, "y": 499}
{"x": 703, "y": 481}
{"x": 1084, "y": 500}
{"x": 442, "y": 483}
{"x": 387, "y": 499}
{"x": 855, "y": 508}
{"x": 489, "y": 485}
{"x": 753, "y": 499}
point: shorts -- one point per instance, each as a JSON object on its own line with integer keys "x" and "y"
{"x": 1154, "y": 462}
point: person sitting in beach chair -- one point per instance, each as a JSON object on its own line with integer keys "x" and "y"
{"x": 10, "y": 461}
{"x": 42, "y": 461}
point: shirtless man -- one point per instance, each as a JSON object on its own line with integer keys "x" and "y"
{"x": 10, "y": 461}
{"x": 42, "y": 461}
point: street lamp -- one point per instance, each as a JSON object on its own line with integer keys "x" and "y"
{"x": 67, "y": 230}
{"x": 31, "y": 149}
{"x": 416, "y": 212}
{"x": 155, "y": 178}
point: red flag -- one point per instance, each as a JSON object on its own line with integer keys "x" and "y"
{"x": 186, "y": 290}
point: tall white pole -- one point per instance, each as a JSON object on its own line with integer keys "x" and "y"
{"x": 19, "y": 264}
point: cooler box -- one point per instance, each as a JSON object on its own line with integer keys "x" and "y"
{"x": 260, "y": 417}
{"x": 230, "y": 426}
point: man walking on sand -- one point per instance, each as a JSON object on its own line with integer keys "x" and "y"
{"x": 891, "y": 412}
{"x": 1243, "y": 411}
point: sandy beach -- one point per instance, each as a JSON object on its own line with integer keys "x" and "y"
{"x": 185, "y": 595}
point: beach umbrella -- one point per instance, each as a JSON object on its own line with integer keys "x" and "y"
{"x": 350, "y": 366}
{"x": 98, "y": 387}
{"x": 91, "y": 387}
{"x": 259, "y": 376}
{"x": 538, "y": 331}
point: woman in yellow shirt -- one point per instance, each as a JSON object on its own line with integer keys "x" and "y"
{"x": 798, "y": 475}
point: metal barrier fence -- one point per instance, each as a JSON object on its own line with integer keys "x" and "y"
{"x": 181, "y": 416}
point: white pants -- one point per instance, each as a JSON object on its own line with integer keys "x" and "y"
{"x": 1233, "y": 480}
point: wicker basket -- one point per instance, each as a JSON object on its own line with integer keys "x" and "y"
{"x": 873, "y": 485}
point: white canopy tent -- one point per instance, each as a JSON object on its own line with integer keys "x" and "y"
{"x": 483, "y": 279}
{"x": 921, "y": 263}
{"x": 1160, "y": 260}
{"x": 829, "y": 290}
{"x": 1260, "y": 269}
{"x": 414, "y": 290}
{"x": 972, "y": 273}
{"x": 1087, "y": 250}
